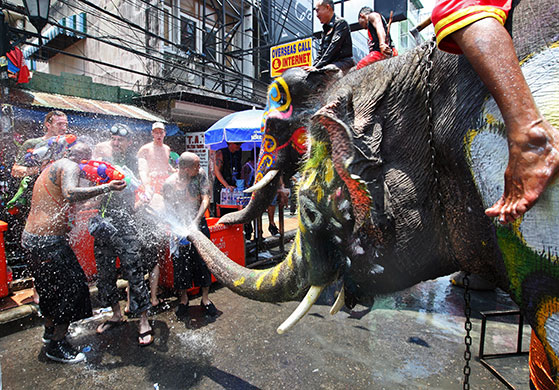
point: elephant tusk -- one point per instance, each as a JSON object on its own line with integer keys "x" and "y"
{"x": 339, "y": 302}
{"x": 264, "y": 182}
{"x": 305, "y": 305}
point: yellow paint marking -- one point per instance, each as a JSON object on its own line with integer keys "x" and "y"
{"x": 239, "y": 282}
{"x": 298, "y": 250}
{"x": 310, "y": 181}
{"x": 260, "y": 280}
{"x": 491, "y": 120}
{"x": 329, "y": 176}
{"x": 275, "y": 274}
{"x": 319, "y": 194}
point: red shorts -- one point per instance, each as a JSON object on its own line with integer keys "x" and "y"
{"x": 374, "y": 56}
{"x": 451, "y": 15}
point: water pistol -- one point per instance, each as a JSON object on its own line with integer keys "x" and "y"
{"x": 53, "y": 149}
{"x": 11, "y": 204}
{"x": 100, "y": 172}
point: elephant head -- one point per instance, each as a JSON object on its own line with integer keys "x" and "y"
{"x": 291, "y": 100}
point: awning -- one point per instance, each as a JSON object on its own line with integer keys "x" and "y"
{"x": 89, "y": 113}
{"x": 57, "y": 38}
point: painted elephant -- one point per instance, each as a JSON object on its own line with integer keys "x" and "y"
{"x": 402, "y": 158}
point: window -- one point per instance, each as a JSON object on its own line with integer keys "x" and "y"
{"x": 209, "y": 44}
{"x": 188, "y": 34}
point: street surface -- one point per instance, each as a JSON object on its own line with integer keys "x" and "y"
{"x": 410, "y": 340}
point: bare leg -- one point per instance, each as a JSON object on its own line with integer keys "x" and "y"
{"x": 183, "y": 299}
{"x": 60, "y": 332}
{"x": 153, "y": 284}
{"x": 533, "y": 142}
{"x": 127, "y": 307}
{"x": 271, "y": 211}
{"x": 35, "y": 296}
{"x": 205, "y": 298}
{"x": 117, "y": 317}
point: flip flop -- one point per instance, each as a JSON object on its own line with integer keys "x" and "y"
{"x": 142, "y": 335}
{"x": 108, "y": 325}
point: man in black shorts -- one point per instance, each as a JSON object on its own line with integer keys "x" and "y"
{"x": 186, "y": 196}
{"x": 59, "y": 279}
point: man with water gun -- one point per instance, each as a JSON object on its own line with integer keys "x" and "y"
{"x": 59, "y": 278}
{"x": 55, "y": 124}
{"x": 118, "y": 236}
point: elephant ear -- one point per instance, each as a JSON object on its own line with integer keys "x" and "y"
{"x": 356, "y": 151}
{"x": 342, "y": 155}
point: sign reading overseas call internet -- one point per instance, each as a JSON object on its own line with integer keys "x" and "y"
{"x": 290, "y": 55}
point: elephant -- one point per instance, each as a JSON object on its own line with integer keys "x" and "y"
{"x": 398, "y": 162}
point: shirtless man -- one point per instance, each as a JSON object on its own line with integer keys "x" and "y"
{"x": 154, "y": 167}
{"x": 475, "y": 28}
{"x": 124, "y": 243}
{"x": 55, "y": 123}
{"x": 187, "y": 197}
{"x": 59, "y": 279}
{"x": 153, "y": 160}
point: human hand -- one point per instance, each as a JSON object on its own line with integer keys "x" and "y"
{"x": 117, "y": 185}
{"x": 385, "y": 50}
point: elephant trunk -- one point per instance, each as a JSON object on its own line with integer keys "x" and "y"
{"x": 257, "y": 205}
{"x": 286, "y": 281}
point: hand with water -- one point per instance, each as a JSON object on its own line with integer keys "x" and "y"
{"x": 117, "y": 185}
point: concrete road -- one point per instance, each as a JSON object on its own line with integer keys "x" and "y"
{"x": 410, "y": 340}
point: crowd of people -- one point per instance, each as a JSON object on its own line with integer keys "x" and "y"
{"x": 123, "y": 228}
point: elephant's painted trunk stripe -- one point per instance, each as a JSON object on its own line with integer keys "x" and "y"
{"x": 283, "y": 282}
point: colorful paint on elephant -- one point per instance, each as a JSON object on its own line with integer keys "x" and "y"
{"x": 278, "y": 105}
{"x": 524, "y": 242}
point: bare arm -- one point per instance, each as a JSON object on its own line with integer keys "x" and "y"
{"x": 143, "y": 168}
{"x": 203, "y": 207}
{"x": 73, "y": 193}
{"x": 21, "y": 171}
{"x": 217, "y": 170}
{"x": 376, "y": 21}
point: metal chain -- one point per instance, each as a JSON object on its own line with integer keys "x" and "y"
{"x": 444, "y": 225}
{"x": 468, "y": 327}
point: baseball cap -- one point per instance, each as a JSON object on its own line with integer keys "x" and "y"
{"x": 158, "y": 125}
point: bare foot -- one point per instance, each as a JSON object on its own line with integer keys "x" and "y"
{"x": 108, "y": 325}
{"x": 145, "y": 331}
{"x": 533, "y": 163}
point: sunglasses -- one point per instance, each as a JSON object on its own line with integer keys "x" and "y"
{"x": 119, "y": 130}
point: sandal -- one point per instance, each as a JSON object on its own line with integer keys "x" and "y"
{"x": 142, "y": 335}
{"x": 108, "y": 325}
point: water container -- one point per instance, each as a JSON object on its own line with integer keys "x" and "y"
{"x": 222, "y": 196}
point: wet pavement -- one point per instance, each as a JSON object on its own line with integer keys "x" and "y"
{"x": 410, "y": 340}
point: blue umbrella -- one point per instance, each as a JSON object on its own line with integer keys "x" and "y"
{"x": 242, "y": 126}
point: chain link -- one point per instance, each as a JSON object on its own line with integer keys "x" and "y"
{"x": 428, "y": 66}
{"x": 468, "y": 327}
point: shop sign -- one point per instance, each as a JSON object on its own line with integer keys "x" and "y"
{"x": 290, "y": 55}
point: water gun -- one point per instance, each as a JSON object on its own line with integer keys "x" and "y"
{"x": 53, "y": 149}
{"x": 100, "y": 172}
{"x": 134, "y": 184}
{"x": 11, "y": 204}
